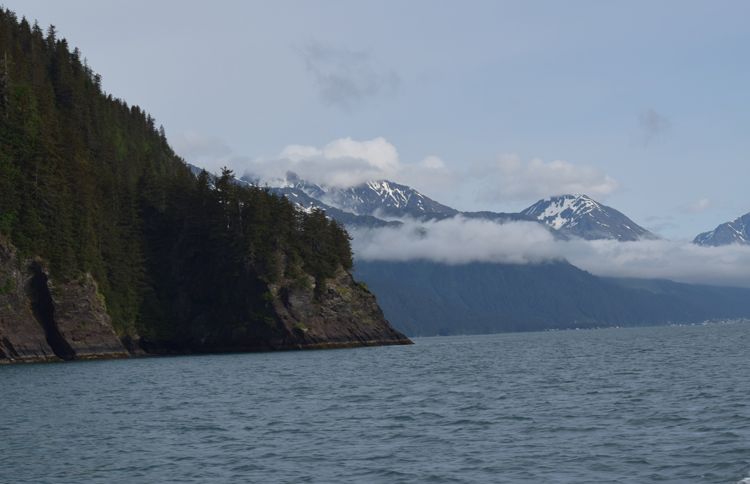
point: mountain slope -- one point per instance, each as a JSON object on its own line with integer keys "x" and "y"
{"x": 427, "y": 298}
{"x": 735, "y": 232}
{"x": 307, "y": 197}
{"x": 584, "y": 217}
{"x": 388, "y": 199}
{"x": 105, "y": 233}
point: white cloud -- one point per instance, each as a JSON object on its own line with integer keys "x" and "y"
{"x": 456, "y": 241}
{"x": 664, "y": 259}
{"x": 460, "y": 241}
{"x": 343, "y": 162}
{"x": 378, "y": 152}
{"x": 347, "y": 162}
{"x": 511, "y": 178}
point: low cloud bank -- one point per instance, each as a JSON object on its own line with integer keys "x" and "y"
{"x": 460, "y": 241}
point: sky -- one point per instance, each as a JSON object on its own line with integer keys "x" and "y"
{"x": 643, "y": 105}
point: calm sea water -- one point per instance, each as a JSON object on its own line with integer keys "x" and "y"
{"x": 627, "y": 405}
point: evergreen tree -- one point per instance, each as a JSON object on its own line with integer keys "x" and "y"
{"x": 89, "y": 183}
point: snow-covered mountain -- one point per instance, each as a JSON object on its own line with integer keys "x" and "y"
{"x": 307, "y": 203}
{"x": 381, "y": 198}
{"x": 383, "y": 203}
{"x": 584, "y": 217}
{"x": 735, "y": 232}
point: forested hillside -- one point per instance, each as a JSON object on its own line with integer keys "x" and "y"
{"x": 89, "y": 185}
{"x": 424, "y": 298}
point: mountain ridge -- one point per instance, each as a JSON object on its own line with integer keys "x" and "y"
{"x": 390, "y": 203}
{"x": 734, "y": 232}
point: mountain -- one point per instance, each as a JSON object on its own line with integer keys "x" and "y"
{"x": 385, "y": 198}
{"x": 384, "y": 202}
{"x": 584, "y": 217}
{"x": 379, "y": 203}
{"x": 424, "y": 298}
{"x": 382, "y": 198}
{"x": 735, "y": 232}
{"x": 111, "y": 245}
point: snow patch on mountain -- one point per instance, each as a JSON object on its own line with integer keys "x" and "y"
{"x": 584, "y": 217}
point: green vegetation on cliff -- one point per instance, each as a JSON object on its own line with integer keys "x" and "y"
{"x": 91, "y": 185}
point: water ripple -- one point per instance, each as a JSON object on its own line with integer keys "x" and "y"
{"x": 616, "y": 405}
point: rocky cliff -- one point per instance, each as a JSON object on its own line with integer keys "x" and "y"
{"x": 22, "y": 337}
{"x": 41, "y": 320}
{"x": 46, "y": 320}
{"x": 344, "y": 313}
{"x": 288, "y": 314}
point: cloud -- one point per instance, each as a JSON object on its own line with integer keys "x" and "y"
{"x": 663, "y": 259}
{"x": 698, "y": 206}
{"x": 345, "y": 78}
{"x": 346, "y": 162}
{"x": 456, "y": 241}
{"x": 652, "y": 126}
{"x": 460, "y": 241}
{"x": 343, "y": 163}
{"x": 511, "y": 178}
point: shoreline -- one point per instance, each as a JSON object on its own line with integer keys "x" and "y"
{"x": 330, "y": 345}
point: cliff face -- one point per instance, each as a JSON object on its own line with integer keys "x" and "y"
{"x": 44, "y": 321}
{"x": 22, "y": 337}
{"x": 82, "y": 320}
{"x": 282, "y": 316}
{"x": 345, "y": 313}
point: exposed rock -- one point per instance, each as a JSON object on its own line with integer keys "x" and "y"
{"x": 22, "y": 338}
{"x": 344, "y": 313}
{"x": 44, "y": 321}
{"x": 82, "y": 320}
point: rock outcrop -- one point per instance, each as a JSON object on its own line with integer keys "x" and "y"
{"x": 22, "y": 338}
{"x": 41, "y": 320}
{"x": 344, "y": 313}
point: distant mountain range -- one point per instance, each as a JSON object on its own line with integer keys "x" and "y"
{"x": 735, "y": 232}
{"x": 429, "y": 298}
{"x": 383, "y": 202}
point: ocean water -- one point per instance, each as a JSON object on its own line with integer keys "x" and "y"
{"x": 669, "y": 404}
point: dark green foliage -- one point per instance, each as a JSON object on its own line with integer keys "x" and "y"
{"x": 91, "y": 185}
